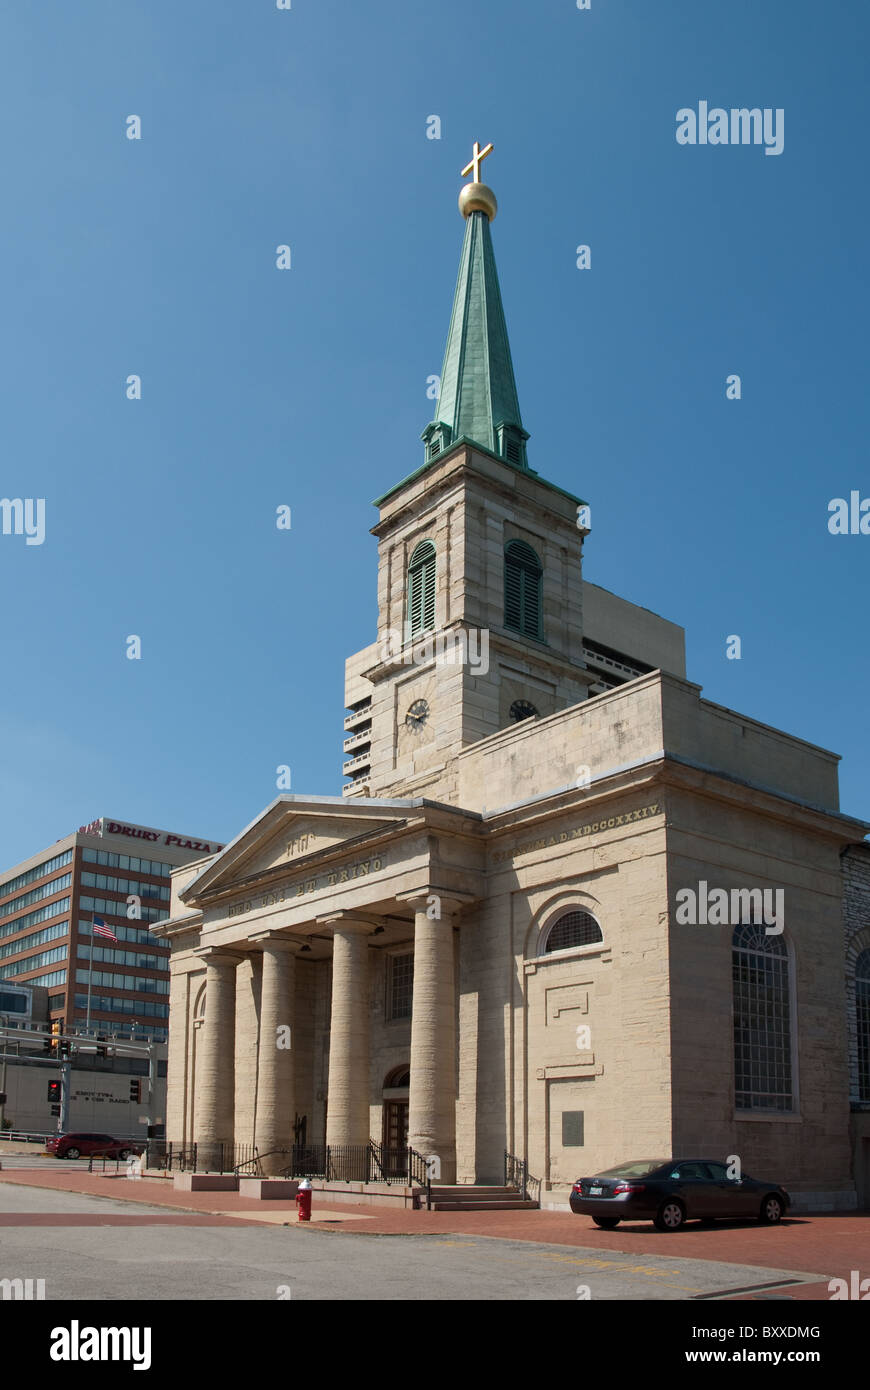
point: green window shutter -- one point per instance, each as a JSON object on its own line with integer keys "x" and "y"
{"x": 415, "y": 600}
{"x": 532, "y": 603}
{"x": 429, "y": 594}
{"x": 522, "y": 590}
{"x": 421, "y": 589}
{"x": 513, "y": 595}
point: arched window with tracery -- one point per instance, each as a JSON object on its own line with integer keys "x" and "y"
{"x": 577, "y": 927}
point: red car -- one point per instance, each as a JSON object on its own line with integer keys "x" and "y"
{"x": 88, "y": 1145}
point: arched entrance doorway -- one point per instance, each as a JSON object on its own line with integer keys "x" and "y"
{"x": 395, "y": 1112}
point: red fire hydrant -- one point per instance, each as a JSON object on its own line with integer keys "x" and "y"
{"x": 303, "y": 1200}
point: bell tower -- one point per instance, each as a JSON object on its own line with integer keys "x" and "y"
{"x": 480, "y": 589}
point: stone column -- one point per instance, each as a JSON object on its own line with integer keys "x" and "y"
{"x": 215, "y": 1058}
{"x": 347, "y": 1106}
{"x": 432, "y": 1098}
{"x": 276, "y": 1067}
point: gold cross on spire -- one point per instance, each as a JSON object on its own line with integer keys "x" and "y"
{"x": 476, "y": 160}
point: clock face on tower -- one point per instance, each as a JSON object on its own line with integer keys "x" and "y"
{"x": 417, "y": 715}
{"x": 522, "y": 709}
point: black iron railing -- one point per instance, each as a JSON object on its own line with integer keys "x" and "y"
{"x": 307, "y": 1161}
{"x": 378, "y": 1161}
{"x": 419, "y": 1171}
{"x": 97, "y": 1163}
{"x": 516, "y": 1173}
{"x": 363, "y": 1163}
{"x": 252, "y": 1167}
{"x": 171, "y": 1158}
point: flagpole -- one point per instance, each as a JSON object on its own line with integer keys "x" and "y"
{"x": 90, "y": 976}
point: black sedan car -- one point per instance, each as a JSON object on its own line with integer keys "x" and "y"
{"x": 670, "y": 1192}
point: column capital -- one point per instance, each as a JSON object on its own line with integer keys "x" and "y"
{"x": 350, "y": 921}
{"x": 450, "y": 899}
{"x": 218, "y": 955}
{"x": 275, "y": 941}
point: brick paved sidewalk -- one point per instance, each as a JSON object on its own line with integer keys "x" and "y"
{"x": 835, "y": 1243}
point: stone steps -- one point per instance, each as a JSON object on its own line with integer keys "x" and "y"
{"x": 517, "y": 1205}
{"x": 467, "y": 1198}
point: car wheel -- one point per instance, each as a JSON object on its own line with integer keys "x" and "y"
{"x": 72, "y": 1152}
{"x": 771, "y": 1210}
{"x": 670, "y": 1216}
{"x": 607, "y": 1223}
{"x": 124, "y": 1153}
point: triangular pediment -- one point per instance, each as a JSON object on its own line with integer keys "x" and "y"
{"x": 290, "y": 831}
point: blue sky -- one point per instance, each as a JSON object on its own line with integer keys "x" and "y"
{"x": 307, "y": 387}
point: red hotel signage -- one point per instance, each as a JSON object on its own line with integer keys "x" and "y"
{"x": 139, "y": 832}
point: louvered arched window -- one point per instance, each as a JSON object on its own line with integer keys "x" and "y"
{"x": 421, "y": 589}
{"x": 762, "y": 1021}
{"x": 522, "y": 590}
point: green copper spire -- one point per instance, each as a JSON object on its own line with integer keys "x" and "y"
{"x": 478, "y": 397}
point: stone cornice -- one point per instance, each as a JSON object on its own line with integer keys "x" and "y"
{"x": 500, "y": 639}
{"x": 305, "y": 862}
{"x": 431, "y": 818}
{"x": 684, "y": 774}
{"x": 172, "y": 927}
{"x": 662, "y": 770}
{"x": 460, "y": 458}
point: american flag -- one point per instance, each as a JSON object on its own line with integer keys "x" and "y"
{"x": 100, "y": 929}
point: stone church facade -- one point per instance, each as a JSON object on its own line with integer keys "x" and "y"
{"x": 487, "y": 945}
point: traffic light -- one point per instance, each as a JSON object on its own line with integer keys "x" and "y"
{"x": 54, "y": 1096}
{"x": 55, "y": 1035}
{"x": 135, "y": 1089}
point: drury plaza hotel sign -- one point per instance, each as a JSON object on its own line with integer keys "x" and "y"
{"x": 103, "y": 826}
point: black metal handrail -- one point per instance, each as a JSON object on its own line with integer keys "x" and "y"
{"x": 169, "y": 1157}
{"x": 308, "y": 1161}
{"x": 375, "y": 1155}
{"x": 103, "y": 1159}
{"x": 418, "y": 1171}
{"x": 516, "y": 1173}
{"x": 256, "y": 1158}
{"x": 363, "y": 1163}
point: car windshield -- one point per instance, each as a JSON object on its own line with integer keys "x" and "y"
{"x": 634, "y": 1170}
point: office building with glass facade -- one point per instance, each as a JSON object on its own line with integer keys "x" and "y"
{"x": 114, "y": 871}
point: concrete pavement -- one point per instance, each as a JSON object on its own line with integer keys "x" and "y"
{"x": 72, "y": 1241}
{"x": 800, "y": 1256}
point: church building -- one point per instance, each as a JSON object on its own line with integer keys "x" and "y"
{"x": 566, "y": 912}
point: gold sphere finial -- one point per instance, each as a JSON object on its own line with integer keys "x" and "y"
{"x": 475, "y": 196}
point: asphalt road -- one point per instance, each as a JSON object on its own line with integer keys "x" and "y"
{"x": 164, "y": 1257}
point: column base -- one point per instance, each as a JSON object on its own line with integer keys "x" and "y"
{"x": 214, "y": 1157}
{"x": 444, "y": 1171}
